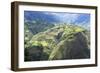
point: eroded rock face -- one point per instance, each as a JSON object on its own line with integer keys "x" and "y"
{"x": 79, "y": 47}
{"x": 72, "y": 48}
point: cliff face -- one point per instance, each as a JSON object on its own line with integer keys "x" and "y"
{"x": 59, "y": 42}
{"x": 72, "y": 48}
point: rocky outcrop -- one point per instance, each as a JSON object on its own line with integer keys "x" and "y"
{"x": 72, "y": 48}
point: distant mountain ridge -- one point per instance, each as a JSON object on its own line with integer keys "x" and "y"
{"x": 50, "y": 18}
{"x": 30, "y": 16}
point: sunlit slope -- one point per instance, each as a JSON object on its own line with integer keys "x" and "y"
{"x": 59, "y": 42}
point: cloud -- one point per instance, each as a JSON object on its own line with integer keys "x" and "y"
{"x": 69, "y": 18}
{"x": 85, "y": 24}
{"x": 64, "y": 17}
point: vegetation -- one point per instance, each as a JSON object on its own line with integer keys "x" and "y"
{"x": 47, "y": 41}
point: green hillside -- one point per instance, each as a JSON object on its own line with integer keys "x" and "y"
{"x": 57, "y": 43}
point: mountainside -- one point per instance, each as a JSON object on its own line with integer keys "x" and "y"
{"x": 57, "y": 43}
{"x": 35, "y": 26}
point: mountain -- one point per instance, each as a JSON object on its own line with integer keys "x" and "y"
{"x": 38, "y": 26}
{"x": 57, "y": 43}
{"x": 42, "y": 16}
{"x": 80, "y": 19}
